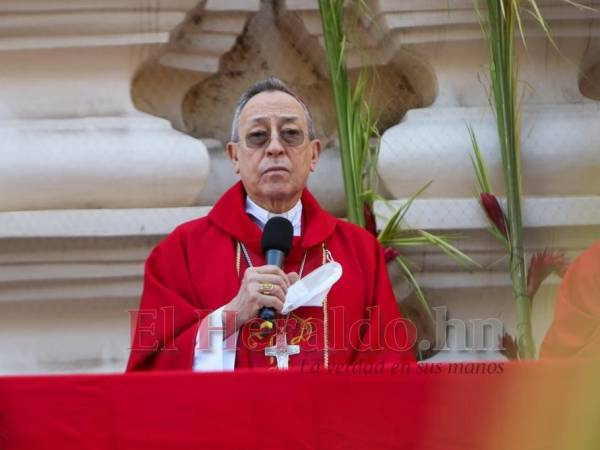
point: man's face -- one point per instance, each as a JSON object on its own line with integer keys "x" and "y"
{"x": 274, "y": 154}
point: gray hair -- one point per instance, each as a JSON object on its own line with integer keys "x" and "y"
{"x": 268, "y": 84}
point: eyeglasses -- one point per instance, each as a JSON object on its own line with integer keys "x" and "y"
{"x": 289, "y": 137}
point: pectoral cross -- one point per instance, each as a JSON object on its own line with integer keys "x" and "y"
{"x": 282, "y": 351}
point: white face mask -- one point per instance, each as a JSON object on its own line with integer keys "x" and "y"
{"x": 313, "y": 288}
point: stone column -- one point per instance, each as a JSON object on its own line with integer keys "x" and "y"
{"x": 70, "y": 136}
{"x": 78, "y": 163}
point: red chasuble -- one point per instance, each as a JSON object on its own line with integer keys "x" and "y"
{"x": 575, "y": 330}
{"x": 193, "y": 272}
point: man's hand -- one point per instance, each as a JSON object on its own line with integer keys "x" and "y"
{"x": 249, "y": 300}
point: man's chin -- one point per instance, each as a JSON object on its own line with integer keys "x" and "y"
{"x": 279, "y": 191}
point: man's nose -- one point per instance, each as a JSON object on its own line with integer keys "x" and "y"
{"x": 275, "y": 147}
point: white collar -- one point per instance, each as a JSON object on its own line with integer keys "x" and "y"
{"x": 260, "y": 215}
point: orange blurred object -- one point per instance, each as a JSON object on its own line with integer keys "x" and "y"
{"x": 575, "y": 331}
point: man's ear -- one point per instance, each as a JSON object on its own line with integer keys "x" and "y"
{"x": 232, "y": 150}
{"x": 315, "y": 148}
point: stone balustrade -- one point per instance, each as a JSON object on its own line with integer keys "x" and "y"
{"x": 70, "y": 134}
{"x": 194, "y": 53}
{"x": 73, "y": 146}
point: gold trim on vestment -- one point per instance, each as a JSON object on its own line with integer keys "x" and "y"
{"x": 238, "y": 264}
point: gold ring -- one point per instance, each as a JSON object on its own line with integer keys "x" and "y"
{"x": 265, "y": 288}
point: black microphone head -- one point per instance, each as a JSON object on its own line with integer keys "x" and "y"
{"x": 278, "y": 235}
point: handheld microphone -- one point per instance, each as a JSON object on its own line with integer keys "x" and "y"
{"x": 276, "y": 245}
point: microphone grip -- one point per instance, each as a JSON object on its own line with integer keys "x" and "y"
{"x": 273, "y": 257}
{"x": 267, "y": 314}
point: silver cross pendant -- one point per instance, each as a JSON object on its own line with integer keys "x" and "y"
{"x": 282, "y": 351}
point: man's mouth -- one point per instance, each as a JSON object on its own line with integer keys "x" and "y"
{"x": 276, "y": 169}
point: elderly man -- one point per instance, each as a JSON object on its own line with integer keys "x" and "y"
{"x": 206, "y": 282}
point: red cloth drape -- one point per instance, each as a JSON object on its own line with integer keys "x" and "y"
{"x": 477, "y": 406}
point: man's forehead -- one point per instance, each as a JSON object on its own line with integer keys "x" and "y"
{"x": 270, "y": 104}
{"x": 260, "y": 118}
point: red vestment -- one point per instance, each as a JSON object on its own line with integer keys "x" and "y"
{"x": 193, "y": 272}
{"x": 575, "y": 330}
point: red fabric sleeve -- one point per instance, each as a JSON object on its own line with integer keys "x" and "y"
{"x": 167, "y": 321}
{"x": 386, "y": 336}
{"x": 575, "y": 330}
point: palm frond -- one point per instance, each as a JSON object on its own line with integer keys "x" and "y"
{"x": 393, "y": 223}
{"x": 449, "y": 249}
{"x": 353, "y": 121}
{"x": 479, "y": 165}
{"x": 357, "y": 131}
{"x": 503, "y": 16}
{"x": 412, "y": 281}
{"x": 581, "y": 6}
